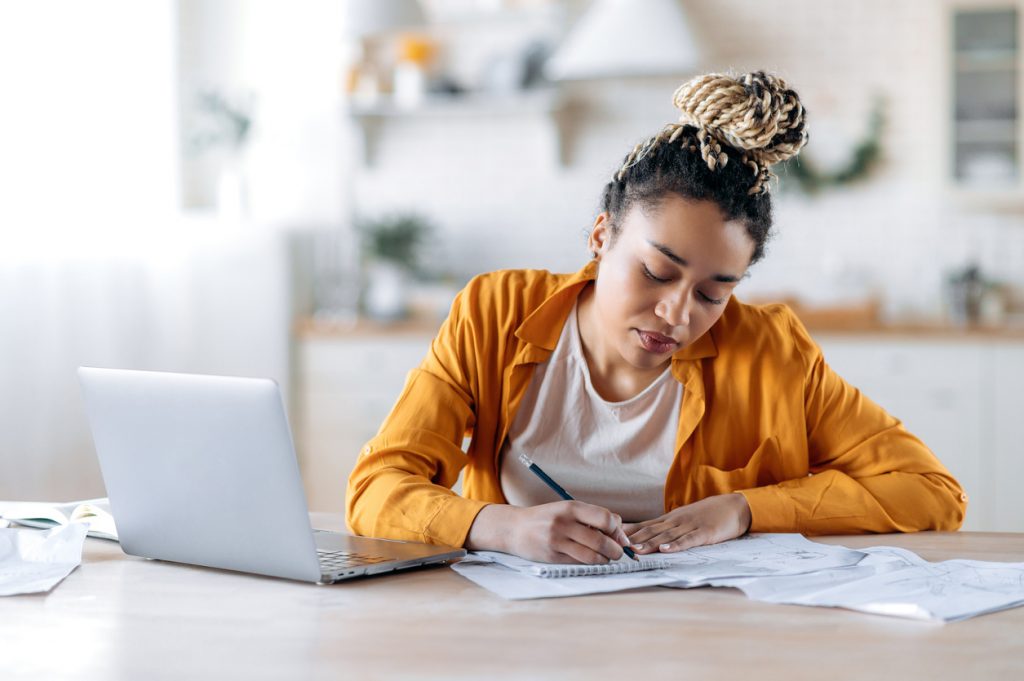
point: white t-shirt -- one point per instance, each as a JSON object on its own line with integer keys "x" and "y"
{"x": 612, "y": 454}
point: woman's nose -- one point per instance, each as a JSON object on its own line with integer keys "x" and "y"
{"x": 675, "y": 308}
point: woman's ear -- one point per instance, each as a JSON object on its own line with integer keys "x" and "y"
{"x": 600, "y": 236}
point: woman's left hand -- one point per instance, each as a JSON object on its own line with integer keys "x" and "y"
{"x": 708, "y": 521}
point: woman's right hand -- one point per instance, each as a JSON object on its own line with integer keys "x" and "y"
{"x": 559, "y": 532}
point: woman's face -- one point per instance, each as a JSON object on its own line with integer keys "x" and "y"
{"x": 665, "y": 280}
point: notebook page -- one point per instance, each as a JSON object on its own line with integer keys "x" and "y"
{"x": 516, "y": 584}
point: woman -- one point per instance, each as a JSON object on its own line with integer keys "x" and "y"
{"x": 676, "y": 415}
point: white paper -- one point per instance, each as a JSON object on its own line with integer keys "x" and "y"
{"x": 752, "y": 555}
{"x": 801, "y": 589}
{"x": 33, "y": 561}
{"x": 46, "y": 514}
{"x": 895, "y": 582}
{"x": 947, "y": 591}
{"x": 788, "y": 568}
{"x": 515, "y": 584}
{"x": 758, "y": 555}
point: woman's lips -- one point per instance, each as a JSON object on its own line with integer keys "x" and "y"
{"x": 655, "y": 342}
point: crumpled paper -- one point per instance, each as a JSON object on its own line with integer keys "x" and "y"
{"x": 34, "y": 561}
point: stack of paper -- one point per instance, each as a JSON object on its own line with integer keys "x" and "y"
{"x": 787, "y": 568}
{"x": 755, "y": 555}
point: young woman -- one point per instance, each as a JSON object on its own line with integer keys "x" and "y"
{"x": 673, "y": 413}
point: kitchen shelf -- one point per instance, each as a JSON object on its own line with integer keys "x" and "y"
{"x": 546, "y": 104}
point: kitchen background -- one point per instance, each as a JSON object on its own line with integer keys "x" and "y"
{"x": 228, "y": 188}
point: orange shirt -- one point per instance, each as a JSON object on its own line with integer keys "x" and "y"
{"x": 762, "y": 414}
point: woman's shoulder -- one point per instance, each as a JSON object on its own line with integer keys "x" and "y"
{"x": 512, "y": 289}
{"x": 772, "y": 327}
{"x": 491, "y": 308}
{"x": 518, "y": 281}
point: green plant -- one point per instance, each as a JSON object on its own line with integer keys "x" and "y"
{"x": 395, "y": 238}
{"x": 226, "y": 121}
{"x": 866, "y": 155}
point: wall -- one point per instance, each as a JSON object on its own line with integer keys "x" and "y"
{"x": 895, "y": 234}
{"x": 287, "y": 56}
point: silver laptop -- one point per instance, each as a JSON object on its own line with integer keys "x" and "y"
{"x": 201, "y": 470}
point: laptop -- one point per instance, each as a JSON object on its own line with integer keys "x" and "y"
{"x": 201, "y": 470}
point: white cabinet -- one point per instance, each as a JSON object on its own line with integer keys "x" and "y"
{"x": 959, "y": 397}
{"x": 1007, "y": 416}
{"x": 986, "y": 129}
{"x": 986, "y": 73}
{"x": 345, "y": 386}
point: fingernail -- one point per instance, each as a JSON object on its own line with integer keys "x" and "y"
{"x": 665, "y": 547}
{"x": 638, "y": 547}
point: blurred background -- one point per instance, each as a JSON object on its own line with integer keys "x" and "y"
{"x": 297, "y": 190}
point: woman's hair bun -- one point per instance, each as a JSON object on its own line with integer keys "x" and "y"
{"x": 756, "y": 113}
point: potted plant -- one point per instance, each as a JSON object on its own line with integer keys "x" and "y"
{"x": 390, "y": 247}
{"x": 226, "y": 125}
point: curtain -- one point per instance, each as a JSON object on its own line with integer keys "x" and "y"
{"x": 97, "y": 266}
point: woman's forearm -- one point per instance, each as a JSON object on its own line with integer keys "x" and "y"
{"x": 491, "y": 528}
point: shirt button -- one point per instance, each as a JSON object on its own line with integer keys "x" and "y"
{"x": 367, "y": 449}
{"x": 963, "y": 497}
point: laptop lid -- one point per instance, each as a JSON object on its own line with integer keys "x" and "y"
{"x": 201, "y": 470}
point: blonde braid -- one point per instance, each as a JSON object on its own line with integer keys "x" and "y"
{"x": 670, "y": 133}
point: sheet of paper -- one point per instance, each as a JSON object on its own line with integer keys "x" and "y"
{"x": 758, "y": 555}
{"x": 894, "y": 582}
{"x": 33, "y": 561}
{"x": 947, "y": 591}
{"x": 801, "y": 589}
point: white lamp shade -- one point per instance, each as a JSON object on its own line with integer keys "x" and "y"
{"x": 616, "y": 38}
{"x": 368, "y": 17}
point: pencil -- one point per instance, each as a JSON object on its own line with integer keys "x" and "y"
{"x": 528, "y": 462}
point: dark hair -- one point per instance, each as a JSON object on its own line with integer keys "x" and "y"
{"x": 675, "y": 169}
{"x": 731, "y": 131}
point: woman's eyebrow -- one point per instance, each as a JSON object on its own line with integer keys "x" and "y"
{"x": 668, "y": 253}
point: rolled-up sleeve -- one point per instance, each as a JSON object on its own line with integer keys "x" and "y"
{"x": 867, "y": 472}
{"x": 401, "y": 485}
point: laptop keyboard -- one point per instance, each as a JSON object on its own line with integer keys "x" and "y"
{"x": 333, "y": 560}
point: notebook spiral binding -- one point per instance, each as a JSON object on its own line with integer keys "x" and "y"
{"x": 616, "y": 568}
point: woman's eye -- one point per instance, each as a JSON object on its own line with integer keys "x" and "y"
{"x": 663, "y": 280}
{"x": 712, "y": 301}
{"x": 650, "y": 275}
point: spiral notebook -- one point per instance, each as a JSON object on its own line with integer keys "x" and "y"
{"x": 616, "y": 568}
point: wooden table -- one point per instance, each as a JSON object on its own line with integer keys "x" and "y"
{"x": 119, "y": 617}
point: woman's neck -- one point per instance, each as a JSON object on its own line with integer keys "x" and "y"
{"x": 614, "y": 379}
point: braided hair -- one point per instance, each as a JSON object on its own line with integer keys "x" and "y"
{"x": 730, "y": 132}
